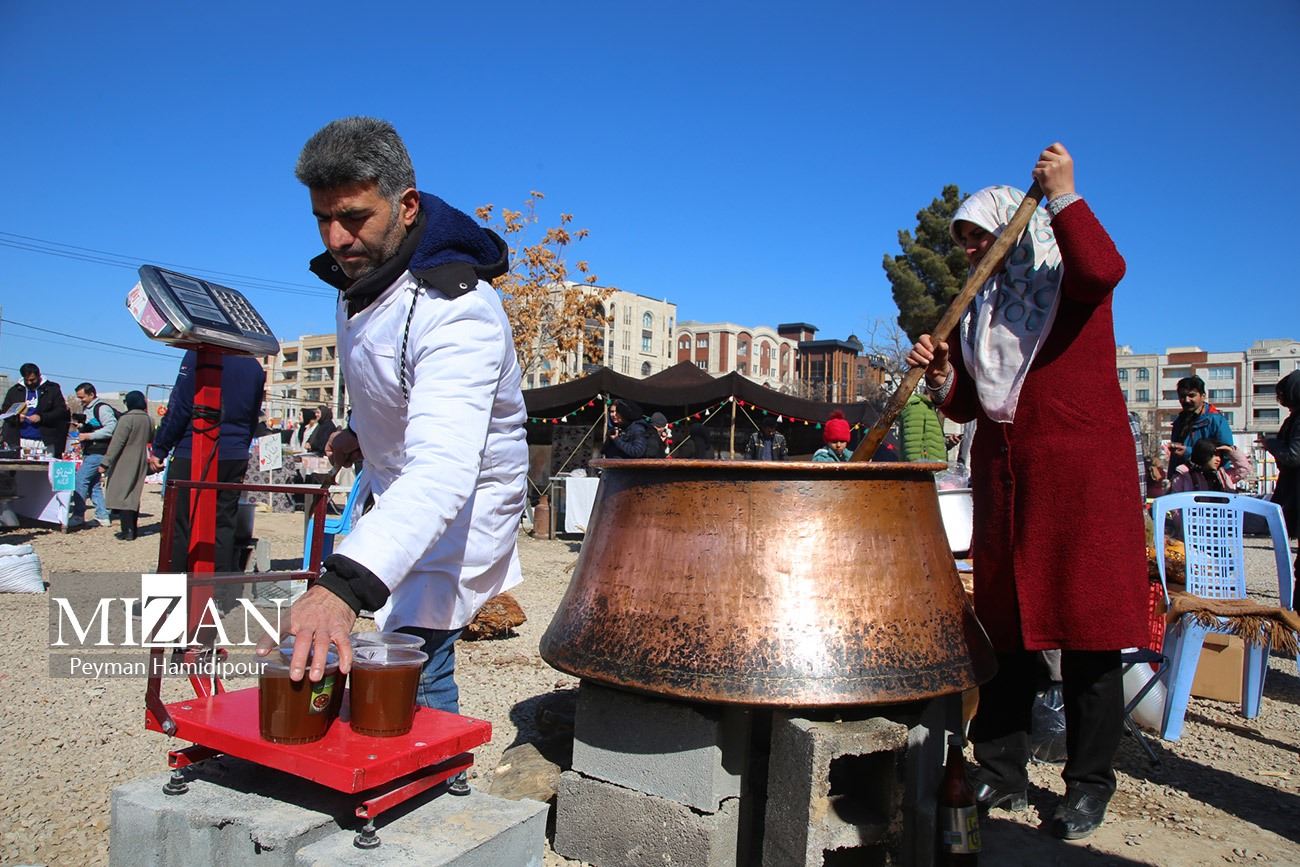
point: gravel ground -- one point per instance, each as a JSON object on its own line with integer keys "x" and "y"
{"x": 1228, "y": 792}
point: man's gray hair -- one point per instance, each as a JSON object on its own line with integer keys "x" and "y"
{"x": 355, "y": 150}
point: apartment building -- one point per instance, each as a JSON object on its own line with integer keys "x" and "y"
{"x": 636, "y": 332}
{"x": 832, "y": 370}
{"x": 305, "y": 374}
{"x": 757, "y": 353}
{"x": 1240, "y": 384}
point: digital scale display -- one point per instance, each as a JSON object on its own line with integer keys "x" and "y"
{"x": 190, "y": 312}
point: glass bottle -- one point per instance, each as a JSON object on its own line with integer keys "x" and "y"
{"x": 957, "y": 818}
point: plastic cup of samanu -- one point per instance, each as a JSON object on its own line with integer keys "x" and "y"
{"x": 384, "y": 683}
{"x": 296, "y": 712}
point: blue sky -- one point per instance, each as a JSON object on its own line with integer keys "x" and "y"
{"x": 749, "y": 161}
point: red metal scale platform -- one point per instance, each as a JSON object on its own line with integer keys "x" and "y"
{"x": 384, "y": 772}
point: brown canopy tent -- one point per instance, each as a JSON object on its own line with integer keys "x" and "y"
{"x": 731, "y": 407}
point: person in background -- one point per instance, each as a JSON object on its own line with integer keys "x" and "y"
{"x": 836, "y": 436}
{"x": 94, "y": 436}
{"x": 42, "y": 420}
{"x": 242, "y": 385}
{"x": 662, "y": 441}
{"x": 767, "y": 444}
{"x": 630, "y": 435}
{"x": 697, "y": 446}
{"x": 1198, "y": 420}
{"x": 1060, "y": 548}
{"x": 1285, "y": 449}
{"x": 324, "y": 429}
{"x": 1213, "y": 467}
{"x": 920, "y": 431}
{"x": 302, "y": 437}
{"x": 126, "y": 463}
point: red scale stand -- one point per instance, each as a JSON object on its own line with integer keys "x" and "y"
{"x": 382, "y": 772}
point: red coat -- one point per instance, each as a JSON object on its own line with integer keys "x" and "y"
{"x": 1059, "y": 546}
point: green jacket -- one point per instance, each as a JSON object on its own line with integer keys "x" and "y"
{"x": 920, "y": 431}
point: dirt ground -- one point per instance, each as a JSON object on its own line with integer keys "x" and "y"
{"x": 1228, "y": 792}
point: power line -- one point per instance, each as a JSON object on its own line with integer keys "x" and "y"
{"x": 78, "y": 337}
{"x": 119, "y": 260}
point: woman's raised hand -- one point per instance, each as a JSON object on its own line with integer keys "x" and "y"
{"x": 1054, "y": 171}
{"x": 933, "y": 357}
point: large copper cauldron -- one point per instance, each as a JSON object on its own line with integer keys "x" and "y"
{"x": 766, "y": 583}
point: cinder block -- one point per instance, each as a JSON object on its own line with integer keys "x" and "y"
{"x": 474, "y": 831}
{"x": 696, "y": 755}
{"x": 604, "y": 824}
{"x": 238, "y": 813}
{"x": 234, "y": 813}
{"x": 835, "y": 792}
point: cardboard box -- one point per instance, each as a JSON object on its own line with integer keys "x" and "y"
{"x": 1219, "y": 672}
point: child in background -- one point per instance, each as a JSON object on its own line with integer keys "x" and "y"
{"x": 836, "y": 437}
{"x": 1212, "y": 467}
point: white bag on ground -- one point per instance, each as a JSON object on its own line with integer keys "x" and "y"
{"x": 20, "y": 570}
{"x": 1150, "y": 713}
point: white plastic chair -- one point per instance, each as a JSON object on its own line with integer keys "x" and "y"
{"x": 1212, "y": 535}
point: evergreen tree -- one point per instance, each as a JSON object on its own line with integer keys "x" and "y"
{"x": 932, "y": 268}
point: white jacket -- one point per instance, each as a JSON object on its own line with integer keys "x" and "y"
{"x": 448, "y": 466}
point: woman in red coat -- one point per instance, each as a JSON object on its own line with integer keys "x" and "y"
{"x": 1059, "y": 547}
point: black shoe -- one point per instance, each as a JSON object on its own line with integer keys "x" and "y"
{"x": 987, "y": 797}
{"x": 1077, "y": 816}
{"x": 458, "y": 785}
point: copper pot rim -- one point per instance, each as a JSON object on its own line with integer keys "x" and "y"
{"x": 774, "y": 468}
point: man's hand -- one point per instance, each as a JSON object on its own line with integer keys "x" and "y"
{"x": 33, "y": 417}
{"x": 315, "y": 620}
{"x": 155, "y": 465}
{"x": 81, "y": 438}
{"x": 343, "y": 450}
{"x": 933, "y": 357}
{"x": 1054, "y": 171}
{"x": 1177, "y": 449}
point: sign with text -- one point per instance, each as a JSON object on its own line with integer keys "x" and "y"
{"x": 63, "y": 475}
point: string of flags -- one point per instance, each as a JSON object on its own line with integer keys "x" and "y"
{"x": 703, "y": 413}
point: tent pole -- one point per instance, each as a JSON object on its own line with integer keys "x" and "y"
{"x": 733, "y": 427}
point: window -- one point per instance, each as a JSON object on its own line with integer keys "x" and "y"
{"x": 763, "y": 350}
{"x": 1266, "y": 389}
{"x": 626, "y": 366}
{"x": 1143, "y": 395}
{"x": 313, "y": 395}
{"x": 701, "y": 343}
{"x": 1260, "y": 366}
{"x": 702, "y": 364}
{"x": 647, "y": 341}
{"x": 684, "y": 343}
{"x": 292, "y": 358}
{"x": 1222, "y": 395}
{"x": 1227, "y": 416}
{"x": 1267, "y": 415}
{"x": 670, "y": 323}
{"x": 1124, "y": 391}
{"x": 531, "y": 380}
{"x": 313, "y": 354}
{"x": 645, "y": 369}
{"x": 647, "y": 321}
{"x": 1143, "y": 374}
{"x": 743, "y": 368}
{"x": 1177, "y": 372}
{"x": 627, "y": 315}
{"x": 1123, "y": 374}
{"x": 627, "y": 341}
{"x": 1229, "y": 373}
{"x": 817, "y": 371}
{"x": 742, "y": 348}
{"x": 1169, "y": 394}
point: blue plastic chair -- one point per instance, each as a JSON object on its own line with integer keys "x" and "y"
{"x": 338, "y": 525}
{"x": 1212, "y": 535}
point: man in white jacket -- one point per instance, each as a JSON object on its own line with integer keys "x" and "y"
{"x": 437, "y": 410}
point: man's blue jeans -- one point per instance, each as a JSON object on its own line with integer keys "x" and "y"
{"x": 438, "y": 680}
{"x": 88, "y": 486}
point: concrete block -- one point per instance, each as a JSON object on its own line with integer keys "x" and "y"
{"x": 474, "y": 831}
{"x": 835, "y": 791}
{"x": 696, "y": 755}
{"x": 238, "y": 813}
{"x": 600, "y": 823}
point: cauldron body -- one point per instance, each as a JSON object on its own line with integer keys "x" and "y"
{"x": 769, "y": 583}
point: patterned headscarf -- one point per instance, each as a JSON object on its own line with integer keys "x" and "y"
{"x": 1007, "y": 322}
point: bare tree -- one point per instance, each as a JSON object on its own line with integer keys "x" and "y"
{"x": 551, "y": 316}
